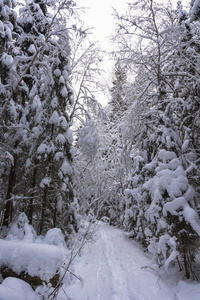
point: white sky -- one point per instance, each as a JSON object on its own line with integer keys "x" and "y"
{"x": 99, "y": 15}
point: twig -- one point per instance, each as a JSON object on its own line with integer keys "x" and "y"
{"x": 86, "y": 237}
{"x": 78, "y": 277}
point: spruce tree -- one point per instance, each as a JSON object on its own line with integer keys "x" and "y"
{"x": 9, "y": 32}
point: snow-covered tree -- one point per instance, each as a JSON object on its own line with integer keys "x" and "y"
{"x": 9, "y": 32}
{"x": 43, "y": 186}
{"x": 118, "y": 92}
{"x": 160, "y": 200}
{"x": 48, "y": 138}
{"x": 85, "y": 76}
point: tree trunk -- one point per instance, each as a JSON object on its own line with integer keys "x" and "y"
{"x": 30, "y": 207}
{"x": 9, "y": 203}
{"x": 44, "y": 205}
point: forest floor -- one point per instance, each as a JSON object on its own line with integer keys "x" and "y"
{"x": 114, "y": 267}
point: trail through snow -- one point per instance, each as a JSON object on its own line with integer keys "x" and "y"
{"x": 115, "y": 268}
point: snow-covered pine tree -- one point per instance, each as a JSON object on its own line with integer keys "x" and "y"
{"x": 48, "y": 138}
{"x": 35, "y": 21}
{"x": 160, "y": 200}
{"x": 118, "y": 92}
{"x": 43, "y": 185}
{"x": 187, "y": 88}
{"x": 9, "y": 32}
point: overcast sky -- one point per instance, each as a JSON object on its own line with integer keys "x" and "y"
{"x": 99, "y": 15}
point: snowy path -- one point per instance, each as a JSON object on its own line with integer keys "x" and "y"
{"x": 111, "y": 266}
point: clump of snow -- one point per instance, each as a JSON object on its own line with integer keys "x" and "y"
{"x": 59, "y": 155}
{"x": 16, "y": 289}
{"x": 61, "y": 80}
{"x": 21, "y": 230}
{"x": 165, "y": 156}
{"x": 64, "y": 92}
{"x": 57, "y": 72}
{"x": 45, "y": 182}
{"x": 189, "y": 214}
{"x": 36, "y": 102}
{"x": 66, "y": 168}
{"x": 22, "y": 250}
{"x": 32, "y": 49}
{"x": 138, "y": 162}
{"x": 10, "y": 157}
{"x": 54, "y": 102}
{"x": 54, "y": 119}
{"x": 185, "y": 145}
{"x": 40, "y": 260}
{"x": 165, "y": 243}
{"x": 63, "y": 122}
{"x": 60, "y": 138}
{"x": 65, "y": 75}
{"x": 68, "y": 135}
{"x": 2, "y": 29}
{"x": 54, "y": 237}
{"x": 42, "y": 148}
{"x": 7, "y": 60}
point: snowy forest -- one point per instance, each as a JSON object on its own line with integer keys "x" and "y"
{"x": 69, "y": 164}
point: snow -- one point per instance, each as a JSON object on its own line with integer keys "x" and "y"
{"x": 54, "y": 119}
{"x": 166, "y": 156}
{"x": 185, "y": 145}
{"x": 7, "y": 60}
{"x": 116, "y": 268}
{"x": 22, "y": 250}
{"x": 61, "y": 80}
{"x": 54, "y": 236}
{"x": 2, "y": 29}
{"x": 10, "y": 157}
{"x": 69, "y": 136}
{"x": 63, "y": 123}
{"x": 54, "y": 102}
{"x": 16, "y": 289}
{"x": 57, "y": 72}
{"x": 111, "y": 267}
{"x": 32, "y": 49}
{"x": 59, "y": 155}
{"x": 189, "y": 214}
{"x": 66, "y": 168}
{"x": 194, "y": 10}
{"x": 42, "y": 148}
{"x": 64, "y": 92}
{"x": 45, "y": 182}
{"x": 60, "y": 138}
{"x": 36, "y": 102}
{"x": 36, "y": 259}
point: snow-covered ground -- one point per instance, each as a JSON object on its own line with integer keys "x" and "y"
{"x": 115, "y": 268}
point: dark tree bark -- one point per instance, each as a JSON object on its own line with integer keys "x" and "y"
{"x": 9, "y": 203}
{"x": 30, "y": 207}
{"x": 44, "y": 206}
